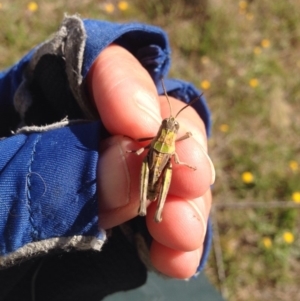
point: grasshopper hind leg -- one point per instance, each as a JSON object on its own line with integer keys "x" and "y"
{"x": 144, "y": 187}
{"x": 177, "y": 161}
{"x": 166, "y": 181}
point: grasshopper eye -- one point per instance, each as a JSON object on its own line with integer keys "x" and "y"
{"x": 176, "y": 123}
{"x": 165, "y": 122}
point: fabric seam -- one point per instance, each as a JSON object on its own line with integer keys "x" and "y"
{"x": 34, "y": 232}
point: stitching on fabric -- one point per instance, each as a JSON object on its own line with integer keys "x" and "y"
{"x": 34, "y": 233}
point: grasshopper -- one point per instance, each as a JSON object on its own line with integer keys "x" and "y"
{"x": 156, "y": 172}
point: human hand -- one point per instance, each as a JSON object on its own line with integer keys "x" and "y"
{"x": 127, "y": 101}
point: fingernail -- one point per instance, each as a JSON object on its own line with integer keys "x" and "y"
{"x": 213, "y": 171}
{"x": 148, "y": 103}
{"x": 113, "y": 175}
{"x": 199, "y": 214}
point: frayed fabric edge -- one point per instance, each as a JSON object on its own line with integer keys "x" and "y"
{"x": 34, "y": 249}
{"x": 68, "y": 42}
{"x": 53, "y": 126}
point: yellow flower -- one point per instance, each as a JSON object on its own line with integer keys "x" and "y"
{"x": 109, "y": 7}
{"x": 296, "y": 197}
{"x": 253, "y": 82}
{"x": 293, "y": 165}
{"x": 224, "y": 128}
{"x": 1, "y": 5}
{"x": 123, "y": 5}
{"x": 267, "y": 242}
{"x": 247, "y": 177}
{"x": 243, "y": 4}
{"x": 257, "y": 50}
{"x": 288, "y": 237}
{"x": 205, "y": 84}
{"x": 265, "y": 43}
{"x": 242, "y": 7}
{"x": 32, "y": 6}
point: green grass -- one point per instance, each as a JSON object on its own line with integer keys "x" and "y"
{"x": 221, "y": 42}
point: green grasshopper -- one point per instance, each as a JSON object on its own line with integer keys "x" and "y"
{"x": 156, "y": 170}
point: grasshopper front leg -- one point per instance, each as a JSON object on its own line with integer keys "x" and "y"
{"x": 185, "y": 136}
{"x": 166, "y": 177}
{"x": 140, "y": 150}
{"x": 144, "y": 187}
{"x": 177, "y": 161}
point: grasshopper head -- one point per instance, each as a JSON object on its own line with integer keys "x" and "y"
{"x": 170, "y": 124}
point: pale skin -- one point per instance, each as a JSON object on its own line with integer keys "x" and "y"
{"x": 126, "y": 99}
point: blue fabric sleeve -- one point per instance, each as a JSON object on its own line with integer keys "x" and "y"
{"x": 48, "y": 189}
{"x": 48, "y": 178}
{"x": 135, "y": 37}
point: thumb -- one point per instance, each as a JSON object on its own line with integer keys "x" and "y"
{"x": 124, "y": 94}
{"x": 118, "y": 181}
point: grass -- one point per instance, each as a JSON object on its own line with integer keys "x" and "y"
{"x": 245, "y": 57}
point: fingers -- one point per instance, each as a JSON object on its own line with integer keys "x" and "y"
{"x": 127, "y": 101}
{"x": 191, "y": 222}
{"x": 178, "y": 246}
{"x": 173, "y": 263}
{"x": 178, "y": 239}
{"x": 119, "y": 180}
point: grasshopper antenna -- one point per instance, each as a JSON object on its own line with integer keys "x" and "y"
{"x": 165, "y": 91}
{"x": 189, "y": 104}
